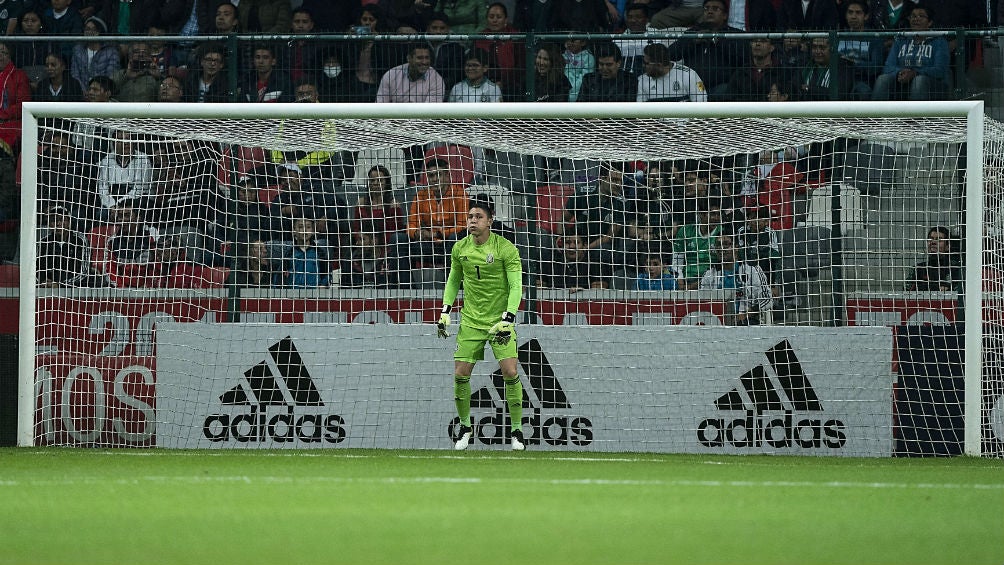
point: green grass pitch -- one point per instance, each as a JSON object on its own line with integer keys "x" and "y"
{"x": 480, "y": 507}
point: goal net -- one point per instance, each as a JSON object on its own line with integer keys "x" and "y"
{"x": 707, "y": 278}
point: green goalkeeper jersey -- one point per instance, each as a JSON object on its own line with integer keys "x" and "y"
{"x": 492, "y": 278}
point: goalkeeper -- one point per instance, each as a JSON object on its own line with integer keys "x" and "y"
{"x": 488, "y": 266}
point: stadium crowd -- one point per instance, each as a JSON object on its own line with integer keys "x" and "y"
{"x": 130, "y": 210}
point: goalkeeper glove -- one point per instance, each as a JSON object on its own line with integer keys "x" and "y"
{"x": 501, "y": 332}
{"x": 444, "y": 320}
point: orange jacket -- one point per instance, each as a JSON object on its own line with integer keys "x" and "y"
{"x": 447, "y": 216}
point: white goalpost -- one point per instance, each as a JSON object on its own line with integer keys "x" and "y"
{"x": 226, "y": 275}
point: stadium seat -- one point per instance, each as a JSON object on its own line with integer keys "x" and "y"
{"x": 461, "y": 161}
{"x": 248, "y": 158}
{"x": 550, "y": 208}
{"x": 10, "y": 275}
{"x": 98, "y": 239}
{"x": 805, "y": 249}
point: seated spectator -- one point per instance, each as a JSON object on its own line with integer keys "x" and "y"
{"x": 654, "y": 275}
{"x": 64, "y": 254}
{"x": 752, "y": 83}
{"x": 818, "y": 80}
{"x": 66, "y": 179}
{"x": 209, "y": 82}
{"x": 666, "y": 81}
{"x": 95, "y": 57}
{"x": 306, "y": 264}
{"x": 125, "y": 173}
{"x": 609, "y": 83}
{"x": 299, "y": 199}
{"x": 367, "y": 60}
{"x": 62, "y": 19}
{"x": 253, "y": 219}
{"x": 917, "y": 66}
{"x": 572, "y": 266}
{"x": 775, "y": 184}
{"x": 759, "y": 243}
{"x": 140, "y": 80}
{"x": 579, "y": 62}
{"x": 414, "y": 81}
{"x": 299, "y": 57}
{"x": 266, "y": 83}
{"x": 437, "y": 217}
{"x": 336, "y": 83}
{"x": 175, "y": 265}
{"x": 813, "y": 15}
{"x": 942, "y": 271}
{"x": 29, "y": 56}
{"x": 866, "y": 55}
{"x": 14, "y": 90}
{"x": 368, "y": 264}
{"x": 693, "y": 243}
{"x": 447, "y": 55}
{"x": 754, "y": 301}
{"x": 476, "y": 87}
{"x": 131, "y": 260}
{"x": 58, "y": 85}
{"x": 180, "y": 199}
{"x": 550, "y": 84}
{"x": 378, "y": 209}
{"x": 253, "y": 267}
{"x": 506, "y": 56}
{"x": 170, "y": 90}
{"x": 636, "y": 38}
{"x": 641, "y": 239}
{"x": 714, "y": 59}
{"x": 753, "y": 15}
{"x": 599, "y": 213}
{"x": 167, "y": 57}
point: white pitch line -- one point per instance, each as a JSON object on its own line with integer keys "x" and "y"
{"x": 245, "y": 479}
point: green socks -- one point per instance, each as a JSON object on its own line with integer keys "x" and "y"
{"x": 462, "y": 397}
{"x": 514, "y": 398}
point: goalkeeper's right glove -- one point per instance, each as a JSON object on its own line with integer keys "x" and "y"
{"x": 444, "y": 321}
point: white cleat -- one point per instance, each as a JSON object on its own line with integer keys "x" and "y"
{"x": 517, "y": 441}
{"x": 466, "y": 435}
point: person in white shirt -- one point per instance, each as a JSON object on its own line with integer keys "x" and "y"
{"x": 123, "y": 173}
{"x": 476, "y": 87}
{"x": 753, "y": 297}
{"x": 666, "y": 81}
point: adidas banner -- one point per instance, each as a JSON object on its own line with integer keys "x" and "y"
{"x": 685, "y": 389}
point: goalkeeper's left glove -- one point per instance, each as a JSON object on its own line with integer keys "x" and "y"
{"x": 444, "y": 321}
{"x": 501, "y": 332}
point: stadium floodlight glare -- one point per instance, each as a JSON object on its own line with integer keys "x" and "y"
{"x": 850, "y": 218}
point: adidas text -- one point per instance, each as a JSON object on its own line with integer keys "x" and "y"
{"x": 285, "y": 427}
{"x": 781, "y": 431}
{"x": 553, "y": 430}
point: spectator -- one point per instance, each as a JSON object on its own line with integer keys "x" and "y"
{"x": 693, "y": 242}
{"x": 759, "y": 242}
{"x": 818, "y": 80}
{"x": 226, "y": 21}
{"x": 166, "y": 56}
{"x": 477, "y": 87}
{"x": 609, "y": 83}
{"x": 655, "y": 275}
{"x": 29, "y": 56}
{"x": 305, "y": 264}
{"x": 368, "y": 264}
{"x": 550, "y": 84}
{"x": 253, "y": 219}
{"x": 447, "y": 55}
{"x": 266, "y": 83}
{"x": 714, "y": 59}
{"x": 58, "y": 85}
{"x": 179, "y": 200}
{"x": 754, "y": 300}
{"x": 684, "y": 13}
{"x": 129, "y": 17}
{"x": 140, "y": 80}
{"x": 571, "y": 266}
{"x": 131, "y": 249}
{"x": 170, "y": 90}
{"x": 323, "y": 168}
{"x": 10, "y": 16}
{"x": 414, "y": 81}
{"x": 917, "y": 65}
{"x": 14, "y": 90}
{"x": 810, "y": 15}
{"x": 123, "y": 174}
{"x": 334, "y": 84}
{"x": 632, "y": 48}
{"x": 66, "y": 179}
{"x": 209, "y": 83}
{"x": 942, "y": 271}
{"x": 753, "y": 82}
{"x": 666, "y": 81}
{"x": 253, "y": 267}
{"x": 378, "y": 209}
{"x": 265, "y": 16}
{"x": 437, "y": 217}
{"x": 94, "y": 58}
{"x": 578, "y": 63}
{"x": 506, "y": 56}
{"x": 599, "y": 214}
{"x": 889, "y": 14}
{"x": 60, "y": 19}
{"x": 368, "y": 60}
{"x": 64, "y": 254}
{"x": 865, "y": 55}
{"x": 297, "y": 199}
{"x": 753, "y": 15}
{"x": 301, "y": 58}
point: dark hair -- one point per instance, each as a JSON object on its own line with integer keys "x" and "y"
{"x": 863, "y": 3}
{"x": 384, "y": 172}
{"x": 264, "y": 46}
{"x": 479, "y": 55}
{"x": 950, "y": 238}
{"x": 505, "y": 11}
{"x": 607, "y": 49}
{"x": 412, "y": 47}
{"x": 302, "y": 10}
{"x": 657, "y": 53}
{"x": 437, "y": 163}
{"x": 483, "y": 201}
{"x": 557, "y": 62}
{"x": 922, "y": 6}
{"x": 437, "y": 16}
{"x": 724, "y": 3}
{"x": 104, "y": 82}
{"x": 637, "y": 6}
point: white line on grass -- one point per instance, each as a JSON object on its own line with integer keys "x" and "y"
{"x": 246, "y": 479}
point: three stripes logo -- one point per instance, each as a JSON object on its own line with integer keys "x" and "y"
{"x": 281, "y": 409}
{"x": 560, "y": 427}
{"x": 780, "y": 409}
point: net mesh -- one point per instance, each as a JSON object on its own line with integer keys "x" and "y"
{"x": 825, "y": 225}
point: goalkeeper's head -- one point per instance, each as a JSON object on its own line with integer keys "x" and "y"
{"x": 481, "y": 213}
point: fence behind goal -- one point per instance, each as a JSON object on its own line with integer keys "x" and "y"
{"x": 738, "y": 278}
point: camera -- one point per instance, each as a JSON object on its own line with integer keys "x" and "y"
{"x": 361, "y": 30}
{"x": 139, "y": 65}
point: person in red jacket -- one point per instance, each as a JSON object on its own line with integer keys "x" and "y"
{"x": 14, "y": 90}
{"x": 506, "y": 56}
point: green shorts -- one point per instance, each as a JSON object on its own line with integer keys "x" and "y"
{"x": 471, "y": 346}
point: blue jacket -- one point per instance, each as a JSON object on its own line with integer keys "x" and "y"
{"x": 667, "y": 282}
{"x": 930, "y": 57}
{"x": 304, "y": 268}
